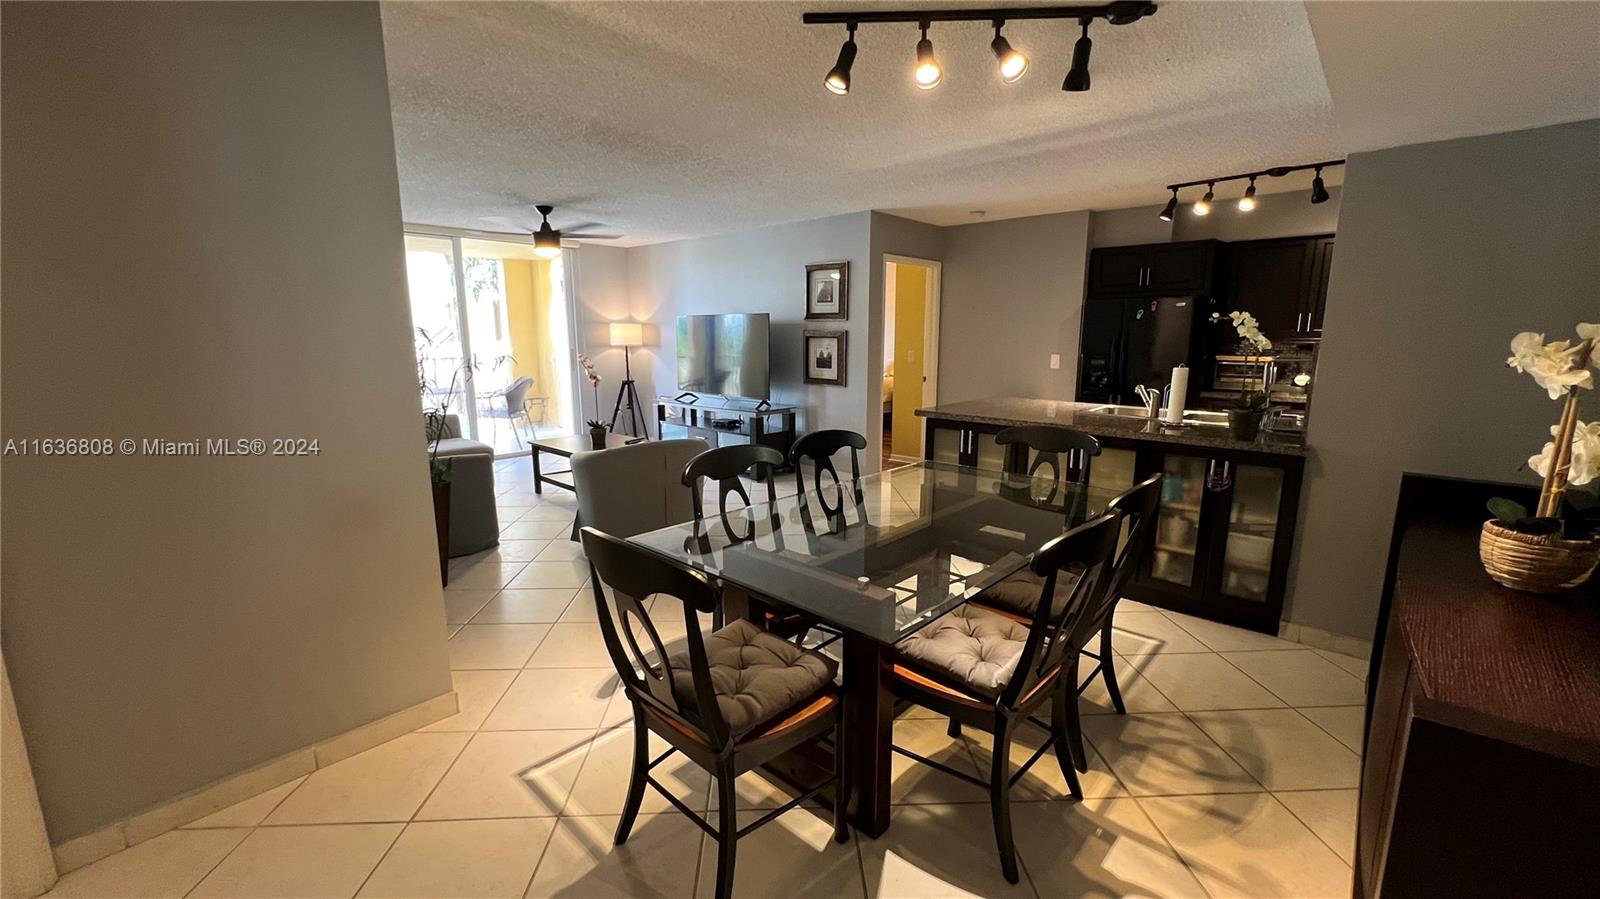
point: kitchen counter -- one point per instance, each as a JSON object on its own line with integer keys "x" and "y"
{"x": 1011, "y": 410}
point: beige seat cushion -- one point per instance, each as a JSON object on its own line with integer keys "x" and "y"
{"x": 756, "y": 675}
{"x": 973, "y": 647}
{"x": 1020, "y": 592}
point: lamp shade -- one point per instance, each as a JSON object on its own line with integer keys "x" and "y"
{"x": 627, "y": 334}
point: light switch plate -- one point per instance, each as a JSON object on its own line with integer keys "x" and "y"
{"x": 1055, "y": 360}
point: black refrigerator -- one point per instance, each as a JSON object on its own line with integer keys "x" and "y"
{"x": 1128, "y": 341}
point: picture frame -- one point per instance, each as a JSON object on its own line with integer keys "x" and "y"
{"x": 828, "y": 291}
{"x": 825, "y": 360}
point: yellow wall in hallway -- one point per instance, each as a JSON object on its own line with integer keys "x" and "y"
{"x": 910, "y": 320}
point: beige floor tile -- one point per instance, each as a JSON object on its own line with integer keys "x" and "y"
{"x": 552, "y": 575}
{"x": 519, "y": 550}
{"x": 167, "y": 865}
{"x": 555, "y": 699}
{"x": 462, "y": 859}
{"x": 1249, "y": 846}
{"x": 554, "y": 509}
{"x": 526, "y": 606}
{"x": 508, "y": 775}
{"x": 250, "y": 812}
{"x": 914, "y": 782}
{"x": 461, "y": 603}
{"x": 1351, "y": 664}
{"x": 495, "y": 645}
{"x": 1133, "y": 605}
{"x": 657, "y": 862}
{"x": 508, "y": 513}
{"x": 476, "y": 692}
{"x": 938, "y": 850}
{"x": 483, "y": 574}
{"x": 1226, "y": 638}
{"x": 1138, "y": 695}
{"x": 1156, "y": 755}
{"x": 1331, "y": 815}
{"x": 1282, "y": 749}
{"x": 1044, "y": 780}
{"x": 561, "y": 551}
{"x": 328, "y": 860}
{"x": 1100, "y": 848}
{"x": 385, "y": 783}
{"x": 582, "y": 607}
{"x": 1300, "y": 677}
{"x": 1202, "y": 681}
{"x": 1143, "y": 633}
{"x": 528, "y": 529}
{"x": 572, "y": 645}
{"x": 791, "y": 855}
{"x": 1345, "y": 723}
{"x": 602, "y": 784}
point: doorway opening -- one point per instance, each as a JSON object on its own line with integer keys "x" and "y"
{"x": 910, "y": 352}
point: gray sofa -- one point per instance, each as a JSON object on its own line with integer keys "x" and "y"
{"x": 474, "y": 524}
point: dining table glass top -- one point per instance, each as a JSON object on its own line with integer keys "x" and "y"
{"x": 886, "y": 554}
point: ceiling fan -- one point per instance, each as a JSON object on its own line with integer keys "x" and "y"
{"x": 547, "y": 240}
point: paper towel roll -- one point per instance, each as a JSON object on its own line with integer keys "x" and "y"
{"x": 1180, "y": 389}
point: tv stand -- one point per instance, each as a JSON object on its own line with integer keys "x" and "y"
{"x": 721, "y": 421}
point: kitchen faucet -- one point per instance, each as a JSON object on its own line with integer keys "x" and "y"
{"x": 1154, "y": 398}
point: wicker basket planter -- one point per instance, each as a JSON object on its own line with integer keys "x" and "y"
{"x": 1536, "y": 563}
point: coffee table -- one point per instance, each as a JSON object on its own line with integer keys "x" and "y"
{"x": 564, "y": 447}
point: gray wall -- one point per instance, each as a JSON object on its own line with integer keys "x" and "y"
{"x": 203, "y": 239}
{"x": 760, "y": 271}
{"x": 1012, "y": 295}
{"x": 1446, "y": 251}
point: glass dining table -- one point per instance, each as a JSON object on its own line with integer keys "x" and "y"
{"x": 876, "y": 559}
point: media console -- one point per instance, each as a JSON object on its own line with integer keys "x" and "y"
{"x": 720, "y": 421}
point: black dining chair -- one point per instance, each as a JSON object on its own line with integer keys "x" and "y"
{"x": 730, "y": 700}
{"x": 992, "y": 671}
{"x": 727, "y": 465}
{"x": 819, "y": 447}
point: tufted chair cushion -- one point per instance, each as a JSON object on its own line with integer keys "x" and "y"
{"x": 1019, "y": 593}
{"x": 756, "y": 675}
{"x": 970, "y": 646}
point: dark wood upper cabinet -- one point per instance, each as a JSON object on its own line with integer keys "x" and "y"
{"x": 1186, "y": 268}
{"x": 1282, "y": 282}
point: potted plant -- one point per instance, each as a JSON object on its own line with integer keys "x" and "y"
{"x": 1558, "y": 546}
{"x": 1244, "y": 419}
{"x": 593, "y": 377}
{"x": 435, "y": 406}
{"x": 597, "y": 435}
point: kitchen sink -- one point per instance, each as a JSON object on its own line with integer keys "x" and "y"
{"x": 1191, "y": 417}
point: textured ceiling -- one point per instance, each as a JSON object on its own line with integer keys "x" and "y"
{"x": 664, "y": 120}
{"x": 1434, "y": 71}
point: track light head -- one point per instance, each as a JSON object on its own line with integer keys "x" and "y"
{"x": 1078, "y": 75}
{"x": 1319, "y": 192}
{"x": 1171, "y": 208}
{"x": 1248, "y": 201}
{"x": 1203, "y": 205}
{"x": 1012, "y": 63}
{"x": 838, "y": 79}
{"x": 927, "y": 73}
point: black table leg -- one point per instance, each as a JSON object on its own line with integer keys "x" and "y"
{"x": 869, "y": 712}
{"x": 537, "y": 476}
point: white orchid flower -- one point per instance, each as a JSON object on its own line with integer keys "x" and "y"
{"x": 1584, "y": 466}
{"x": 1553, "y": 365}
{"x": 1526, "y": 348}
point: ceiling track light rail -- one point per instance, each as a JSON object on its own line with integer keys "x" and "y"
{"x": 1319, "y": 192}
{"x": 1012, "y": 63}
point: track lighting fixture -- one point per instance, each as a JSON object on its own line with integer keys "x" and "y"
{"x": 838, "y": 79}
{"x": 1319, "y": 193}
{"x": 1012, "y": 63}
{"x": 1171, "y": 208}
{"x": 927, "y": 73}
{"x": 1248, "y": 201}
{"x": 1078, "y": 76}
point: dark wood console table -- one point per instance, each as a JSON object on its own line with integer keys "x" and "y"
{"x": 721, "y": 422}
{"x": 1482, "y": 768}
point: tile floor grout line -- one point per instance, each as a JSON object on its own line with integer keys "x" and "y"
{"x": 448, "y": 768}
{"x": 1138, "y": 807}
{"x": 539, "y": 862}
{"x": 225, "y": 856}
{"x": 1359, "y": 753}
{"x": 1313, "y": 831}
{"x": 386, "y": 851}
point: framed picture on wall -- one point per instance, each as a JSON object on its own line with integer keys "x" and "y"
{"x": 825, "y": 357}
{"x": 828, "y": 291}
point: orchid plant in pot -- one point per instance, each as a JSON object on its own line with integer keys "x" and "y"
{"x": 1244, "y": 419}
{"x": 597, "y": 428}
{"x": 1558, "y": 545}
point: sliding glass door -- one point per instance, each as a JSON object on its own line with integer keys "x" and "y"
{"x": 493, "y": 337}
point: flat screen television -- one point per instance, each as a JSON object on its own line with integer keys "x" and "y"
{"x": 725, "y": 355}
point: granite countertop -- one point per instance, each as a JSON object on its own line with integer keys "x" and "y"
{"x": 1014, "y": 410}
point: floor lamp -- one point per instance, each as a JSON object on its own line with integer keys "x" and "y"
{"x": 626, "y": 335}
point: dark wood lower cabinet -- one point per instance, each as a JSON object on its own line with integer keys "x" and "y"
{"x": 1227, "y": 520}
{"x": 1481, "y": 775}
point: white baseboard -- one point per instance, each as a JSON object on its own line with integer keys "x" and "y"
{"x": 213, "y": 797}
{"x": 1317, "y": 638}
